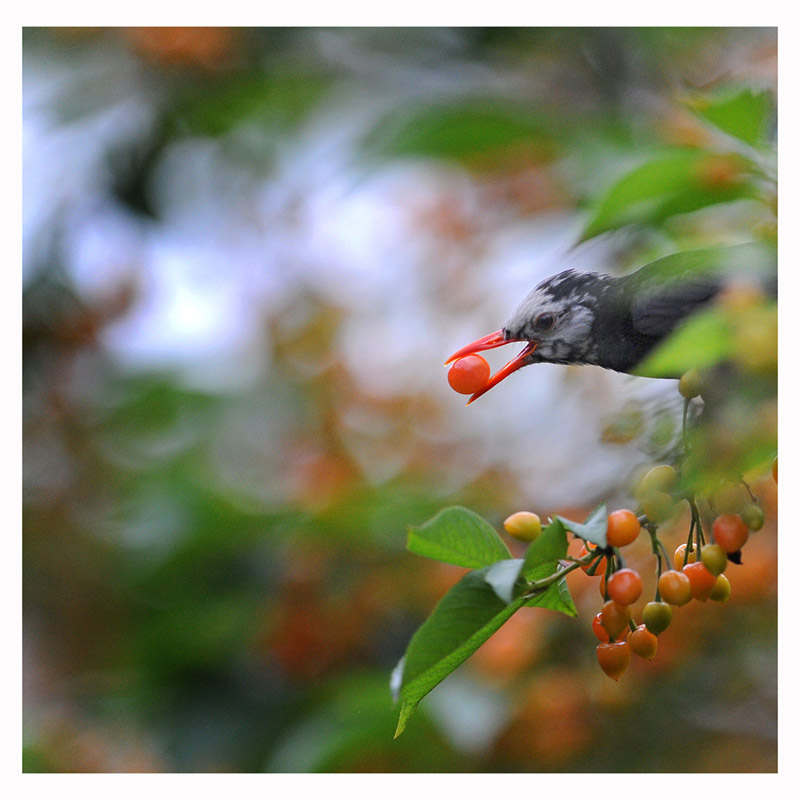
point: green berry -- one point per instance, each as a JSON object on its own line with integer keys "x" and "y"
{"x": 657, "y": 616}
{"x": 753, "y": 517}
{"x": 691, "y": 384}
{"x": 715, "y": 558}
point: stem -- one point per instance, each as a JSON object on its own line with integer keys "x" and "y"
{"x": 697, "y": 524}
{"x": 684, "y": 429}
{"x": 657, "y": 546}
{"x": 749, "y": 490}
{"x": 666, "y": 555}
{"x": 534, "y": 587}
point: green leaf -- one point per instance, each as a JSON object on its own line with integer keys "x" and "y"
{"x": 702, "y": 341}
{"x": 593, "y": 529}
{"x": 543, "y": 554}
{"x": 504, "y": 578}
{"x": 542, "y": 560}
{"x": 462, "y": 621}
{"x": 476, "y": 132}
{"x": 458, "y": 536}
{"x": 744, "y": 114}
{"x": 676, "y": 183}
{"x": 556, "y": 597}
{"x": 275, "y": 102}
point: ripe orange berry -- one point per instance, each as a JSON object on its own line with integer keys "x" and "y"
{"x": 600, "y": 567}
{"x": 680, "y": 556}
{"x": 730, "y": 532}
{"x": 643, "y": 643}
{"x": 614, "y": 658}
{"x": 625, "y": 586}
{"x": 721, "y": 591}
{"x": 675, "y": 587}
{"x": 524, "y": 525}
{"x": 469, "y": 374}
{"x": 597, "y": 627}
{"x": 615, "y": 618}
{"x": 701, "y": 580}
{"x": 623, "y": 528}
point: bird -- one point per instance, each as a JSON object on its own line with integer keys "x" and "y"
{"x": 614, "y": 322}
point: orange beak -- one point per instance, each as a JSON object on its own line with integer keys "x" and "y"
{"x": 496, "y": 339}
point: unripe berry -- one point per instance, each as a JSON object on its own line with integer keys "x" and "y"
{"x": 721, "y": 591}
{"x": 715, "y": 559}
{"x": 662, "y": 478}
{"x": 658, "y": 506}
{"x": 753, "y": 517}
{"x": 729, "y": 498}
{"x": 690, "y": 384}
{"x": 524, "y": 525}
{"x": 657, "y": 616}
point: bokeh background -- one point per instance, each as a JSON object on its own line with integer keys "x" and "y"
{"x": 247, "y": 253}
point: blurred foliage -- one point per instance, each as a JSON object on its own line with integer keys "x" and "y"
{"x": 215, "y": 580}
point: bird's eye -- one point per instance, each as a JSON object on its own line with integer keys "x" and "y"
{"x": 544, "y": 322}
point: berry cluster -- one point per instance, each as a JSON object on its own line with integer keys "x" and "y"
{"x": 696, "y": 572}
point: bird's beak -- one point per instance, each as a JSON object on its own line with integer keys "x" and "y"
{"x": 496, "y": 339}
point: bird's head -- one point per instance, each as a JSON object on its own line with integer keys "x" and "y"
{"x": 554, "y": 322}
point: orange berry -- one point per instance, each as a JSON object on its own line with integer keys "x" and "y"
{"x": 625, "y": 586}
{"x": 469, "y": 374}
{"x": 600, "y": 567}
{"x": 675, "y": 587}
{"x": 730, "y": 532}
{"x": 775, "y": 469}
{"x": 614, "y": 658}
{"x": 623, "y": 528}
{"x": 643, "y": 643}
{"x": 701, "y": 580}
{"x": 680, "y": 556}
{"x": 615, "y": 618}
{"x": 597, "y": 627}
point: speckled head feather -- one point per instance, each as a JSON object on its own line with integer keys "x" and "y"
{"x": 560, "y": 314}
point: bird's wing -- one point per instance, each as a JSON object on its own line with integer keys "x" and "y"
{"x": 670, "y": 289}
{"x": 658, "y": 311}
